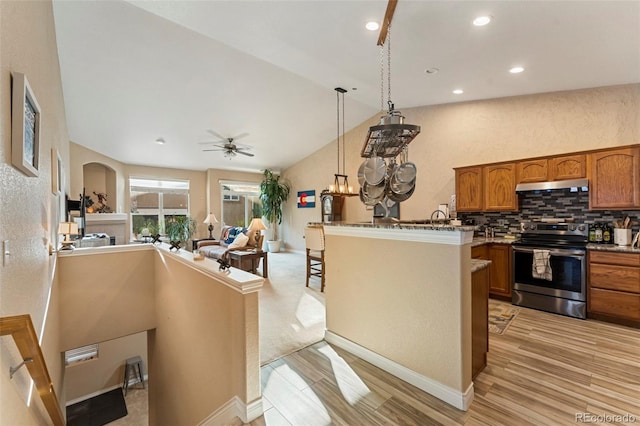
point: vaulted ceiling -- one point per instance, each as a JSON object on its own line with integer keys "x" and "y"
{"x": 136, "y": 71}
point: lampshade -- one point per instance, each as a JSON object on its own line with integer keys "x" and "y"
{"x": 257, "y": 225}
{"x": 210, "y": 219}
{"x": 68, "y": 228}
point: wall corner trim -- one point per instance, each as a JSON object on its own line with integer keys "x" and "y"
{"x": 233, "y": 408}
{"x": 460, "y": 400}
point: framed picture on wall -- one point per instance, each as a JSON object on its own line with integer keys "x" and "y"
{"x": 25, "y": 126}
{"x": 56, "y": 171}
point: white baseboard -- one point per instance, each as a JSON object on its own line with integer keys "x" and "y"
{"x": 460, "y": 400}
{"x": 101, "y": 391}
{"x": 232, "y": 409}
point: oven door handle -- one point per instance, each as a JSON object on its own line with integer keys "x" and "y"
{"x": 578, "y": 254}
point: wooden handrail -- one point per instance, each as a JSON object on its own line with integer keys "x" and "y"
{"x": 21, "y": 329}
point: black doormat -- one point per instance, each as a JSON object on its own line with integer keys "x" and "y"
{"x": 97, "y": 411}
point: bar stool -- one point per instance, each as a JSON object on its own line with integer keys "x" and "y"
{"x": 314, "y": 238}
{"x": 130, "y": 366}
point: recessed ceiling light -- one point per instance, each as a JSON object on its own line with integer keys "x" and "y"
{"x": 372, "y": 26}
{"x": 160, "y": 141}
{"x": 458, "y": 91}
{"x": 516, "y": 70}
{"x": 481, "y": 21}
{"x": 431, "y": 70}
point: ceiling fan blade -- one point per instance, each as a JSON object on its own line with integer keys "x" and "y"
{"x": 218, "y": 149}
{"x": 217, "y": 135}
{"x": 248, "y": 154}
{"x": 240, "y": 136}
{"x": 210, "y": 142}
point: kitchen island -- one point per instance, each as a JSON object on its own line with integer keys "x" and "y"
{"x": 399, "y": 296}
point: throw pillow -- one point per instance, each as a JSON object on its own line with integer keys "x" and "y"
{"x": 240, "y": 242}
{"x": 232, "y": 235}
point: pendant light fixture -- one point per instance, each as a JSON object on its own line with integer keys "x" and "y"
{"x": 340, "y": 186}
{"x": 389, "y": 138}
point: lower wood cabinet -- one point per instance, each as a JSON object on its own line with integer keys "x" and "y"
{"x": 479, "y": 320}
{"x": 500, "y": 270}
{"x": 614, "y": 287}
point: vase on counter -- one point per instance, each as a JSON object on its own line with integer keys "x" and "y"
{"x": 622, "y": 236}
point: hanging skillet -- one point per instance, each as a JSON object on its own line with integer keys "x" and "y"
{"x": 374, "y": 170}
{"x": 366, "y": 200}
{"x": 361, "y": 179}
{"x": 406, "y": 171}
{"x": 400, "y": 197}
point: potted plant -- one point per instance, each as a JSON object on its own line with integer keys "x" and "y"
{"x": 144, "y": 228}
{"x": 273, "y": 193}
{"x": 179, "y": 230}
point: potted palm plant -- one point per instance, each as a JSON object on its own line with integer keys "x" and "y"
{"x": 273, "y": 193}
{"x": 179, "y": 230}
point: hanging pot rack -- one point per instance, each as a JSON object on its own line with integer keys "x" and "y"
{"x": 391, "y": 136}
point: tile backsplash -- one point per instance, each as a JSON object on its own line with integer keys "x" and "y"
{"x": 552, "y": 204}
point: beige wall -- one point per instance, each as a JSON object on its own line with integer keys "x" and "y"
{"x": 106, "y": 295}
{"x": 29, "y": 212}
{"x": 476, "y": 132}
{"x": 203, "y": 336}
{"x": 199, "y": 354}
{"x": 108, "y": 370}
{"x": 409, "y": 302}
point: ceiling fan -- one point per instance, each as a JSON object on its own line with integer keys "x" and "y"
{"x": 227, "y": 145}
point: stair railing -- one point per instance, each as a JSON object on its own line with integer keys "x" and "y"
{"x": 21, "y": 329}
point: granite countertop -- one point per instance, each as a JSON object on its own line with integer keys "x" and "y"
{"x": 479, "y": 264}
{"x": 478, "y": 241}
{"x": 394, "y": 225}
{"x": 612, "y": 247}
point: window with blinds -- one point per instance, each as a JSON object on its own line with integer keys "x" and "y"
{"x": 82, "y": 354}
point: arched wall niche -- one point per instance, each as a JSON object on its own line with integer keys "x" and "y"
{"x": 99, "y": 178}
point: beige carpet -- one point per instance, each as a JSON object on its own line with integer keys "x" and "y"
{"x": 292, "y": 316}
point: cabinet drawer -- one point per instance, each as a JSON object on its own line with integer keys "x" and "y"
{"x": 627, "y": 259}
{"x": 623, "y": 278}
{"x": 619, "y": 304}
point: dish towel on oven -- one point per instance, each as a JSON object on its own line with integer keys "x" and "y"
{"x": 541, "y": 267}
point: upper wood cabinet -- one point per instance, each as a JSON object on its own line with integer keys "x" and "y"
{"x": 568, "y": 167}
{"x": 500, "y": 187}
{"x": 469, "y": 189}
{"x": 532, "y": 171}
{"x": 615, "y": 179}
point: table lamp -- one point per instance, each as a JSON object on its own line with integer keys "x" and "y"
{"x": 210, "y": 220}
{"x": 67, "y": 229}
{"x": 257, "y": 225}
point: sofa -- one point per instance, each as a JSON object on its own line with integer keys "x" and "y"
{"x": 232, "y": 238}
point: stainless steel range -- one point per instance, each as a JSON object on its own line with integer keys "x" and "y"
{"x": 549, "y": 268}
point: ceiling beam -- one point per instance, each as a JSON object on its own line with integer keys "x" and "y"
{"x": 386, "y": 23}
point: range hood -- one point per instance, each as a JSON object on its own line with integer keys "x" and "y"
{"x": 575, "y": 185}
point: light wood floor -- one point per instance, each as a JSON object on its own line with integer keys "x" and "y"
{"x": 544, "y": 370}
